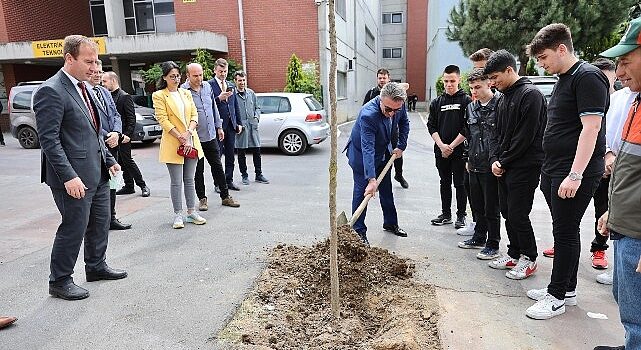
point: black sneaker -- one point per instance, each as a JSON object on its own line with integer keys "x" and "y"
{"x": 460, "y": 221}
{"x": 471, "y": 244}
{"x": 442, "y": 220}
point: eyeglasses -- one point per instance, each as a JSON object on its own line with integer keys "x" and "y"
{"x": 389, "y": 110}
{"x": 174, "y": 77}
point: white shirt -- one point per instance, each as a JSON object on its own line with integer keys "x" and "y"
{"x": 175, "y": 95}
{"x": 620, "y": 103}
{"x": 220, "y": 83}
{"x": 75, "y": 82}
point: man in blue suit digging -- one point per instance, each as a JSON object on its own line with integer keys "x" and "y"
{"x": 369, "y": 148}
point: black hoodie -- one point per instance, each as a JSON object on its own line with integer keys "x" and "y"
{"x": 447, "y": 117}
{"x": 521, "y": 118}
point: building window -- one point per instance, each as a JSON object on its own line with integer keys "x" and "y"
{"x": 98, "y": 19}
{"x": 393, "y": 17}
{"x": 149, "y": 16}
{"x": 341, "y": 85}
{"x": 370, "y": 40}
{"x": 393, "y": 52}
{"x": 341, "y": 8}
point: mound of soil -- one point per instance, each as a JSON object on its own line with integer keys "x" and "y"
{"x": 381, "y": 307}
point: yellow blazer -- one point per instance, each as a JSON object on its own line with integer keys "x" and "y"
{"x": 168, "y": 118}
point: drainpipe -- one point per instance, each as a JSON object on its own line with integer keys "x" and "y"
{"x": 242, "y": 36}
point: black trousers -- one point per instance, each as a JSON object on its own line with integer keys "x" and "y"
{"x": 452, "y": 169}
{"x": 226, "y": 148}
{"x": 484, "y": 196}
{"x": 466, "y": 181}
{"x": 516, "y": 195}
{"x": 130, "y": 171}
{"x": 566, "y": 219}
{"x": 211, "y": 153}
{"x": 600, "y": 242}
{"x": 398, "y": 162}
{"x": 411, "y": 105}
{"x": 112, "y": 193}
{"x": 242, "y": 160}
{"x": 86, "y": 218}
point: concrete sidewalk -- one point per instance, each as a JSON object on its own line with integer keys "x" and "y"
{"x": 184, "y": 284}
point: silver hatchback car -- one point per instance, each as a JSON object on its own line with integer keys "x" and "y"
{"x": 291, "y": 121}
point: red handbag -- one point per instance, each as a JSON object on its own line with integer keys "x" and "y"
{"x": 192, "y": 154}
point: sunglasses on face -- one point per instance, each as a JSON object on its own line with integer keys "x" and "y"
{"x": 389, "y": 109}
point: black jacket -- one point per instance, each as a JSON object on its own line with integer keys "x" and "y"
{"x": 125, "y": 107}
{"x": 521, "y": 118}
{"x": 479, "y": 131}
{"x": 447, "y": 117}
{"x": 371, "y": 93}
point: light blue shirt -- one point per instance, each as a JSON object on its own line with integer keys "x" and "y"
{"x": 208, "y": 116}
{"x": 620, "y": 103}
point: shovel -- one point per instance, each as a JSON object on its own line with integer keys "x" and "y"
{"x": 342, "y": 218}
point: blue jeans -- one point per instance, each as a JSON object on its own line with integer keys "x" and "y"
{"x": 626, "y": 288}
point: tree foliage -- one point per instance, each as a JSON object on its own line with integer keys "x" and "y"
{"x": 294, "y": 74}
{"x": 206, "y": 60}
{"x": 303, "y": 78}
{"x": 511, "y": 24}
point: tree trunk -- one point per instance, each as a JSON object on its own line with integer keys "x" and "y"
{"x": 523, "y": 58}
{"x": 333, "y": 240}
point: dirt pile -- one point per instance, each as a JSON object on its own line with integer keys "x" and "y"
{"x": 381, "y": 307}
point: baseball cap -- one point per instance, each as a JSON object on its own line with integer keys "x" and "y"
{"x": 630, "y": 40}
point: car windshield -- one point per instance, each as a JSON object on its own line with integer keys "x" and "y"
{"x": 312, "y": 104}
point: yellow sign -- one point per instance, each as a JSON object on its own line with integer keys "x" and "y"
{"x": 53, "y": 48}
{"x": 186, "y": 1}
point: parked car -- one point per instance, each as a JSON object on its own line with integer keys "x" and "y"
{"x": 545, "y": 84}
{"x": 23, "y": 119}
{"x": 291, "y": 121}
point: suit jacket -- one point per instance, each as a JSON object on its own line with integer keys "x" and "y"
{"x": 110, "y": 119}
{"x": 229, "y": 110}
{"x": 71, "y": 145}
{"x": 369, "y": 144}
{"x": 125, "y": 107}
{"x": 168, "y": 117}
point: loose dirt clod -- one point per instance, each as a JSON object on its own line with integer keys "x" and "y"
{"x": 381, "y": 307}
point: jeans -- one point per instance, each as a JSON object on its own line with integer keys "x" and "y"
{"x": 384, "y": 194}
{"x": 484, "y": 196}
{"x": 566, "y": 219}
{"x": 626, "y": 287}
{"x": 182, "y": 175}
{"x": 449, "y": 169}
{"x": 210, "y": 152}
{"x": 600, "y": 242}
{"x": 516, "y": 195}
{"x": 242, "y": 160}
{"x": 130, "y": 171}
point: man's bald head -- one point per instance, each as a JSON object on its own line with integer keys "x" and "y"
{"x": 195, "y": 75}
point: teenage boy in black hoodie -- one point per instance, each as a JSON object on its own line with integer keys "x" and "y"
{"x": 516, "y": 160}
{"x": 446, "y": 125}
{"x": 574, "y": 145}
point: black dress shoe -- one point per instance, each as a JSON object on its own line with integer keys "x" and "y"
{"x": 401, "y": 180}
{"x": 68, "y": 291}
{"x": 145, "y": 191}
{"x": 232, "y": 186}
{"x": 126, "y": 190}
{"x": 105, "y": 274}
{"x": 117, "y": 225}
{"x": 395, "y": 230}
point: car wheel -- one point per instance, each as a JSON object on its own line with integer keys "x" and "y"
{"x": 28, "y": 138}
{"x": 292, "y": 143}
{"x": 148, "y": 141}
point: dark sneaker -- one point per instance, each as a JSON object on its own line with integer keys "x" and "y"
{"x": 488, "y": 254}
{"x": 245, "y": 180}
{"x": 471, "y": 244}
{"x": 261, "y": 179}
{"x": 401, "y": 180}
{"x": 442, "y": 220}
{"x": 460, "y": 221}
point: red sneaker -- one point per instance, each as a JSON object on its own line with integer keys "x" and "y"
{"x": 549, "y": 252}
{"x": 599, "y": 260}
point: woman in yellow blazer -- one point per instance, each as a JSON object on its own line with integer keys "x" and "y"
{"x": 177, "y": 115}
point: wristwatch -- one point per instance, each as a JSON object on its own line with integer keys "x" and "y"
{"x": 575, "y": 176}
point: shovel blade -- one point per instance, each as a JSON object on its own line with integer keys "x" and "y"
{"x": 342, "y": 219}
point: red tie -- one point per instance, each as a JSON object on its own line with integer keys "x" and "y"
{"x": 83, "y": 88}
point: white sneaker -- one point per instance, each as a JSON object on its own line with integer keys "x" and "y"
{"x": 195, "y": 218}
{"x": 538, "y": 294}
{"x": 523, "y": 269}
{"x": 178, "y": 221}
{"x": 546, "y": 308}
{"x": 503, "y": 263}
{"x": 605, "y": 278}
{"x": 468, "y": 230}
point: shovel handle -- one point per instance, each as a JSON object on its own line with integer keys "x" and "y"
{"x": 380, "y": 177}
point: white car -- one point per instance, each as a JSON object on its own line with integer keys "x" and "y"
{"x": 291, "y": 121}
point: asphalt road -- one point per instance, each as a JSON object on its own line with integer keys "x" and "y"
{"x": 184, "y": 284}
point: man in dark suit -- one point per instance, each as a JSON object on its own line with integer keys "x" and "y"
{"x": 125, "y": 107}
{"x": 370, "y": 147}
{"x": 225, "y": 96}
{"x": 76, "y": 166}
{"x": 111, "y": 131}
